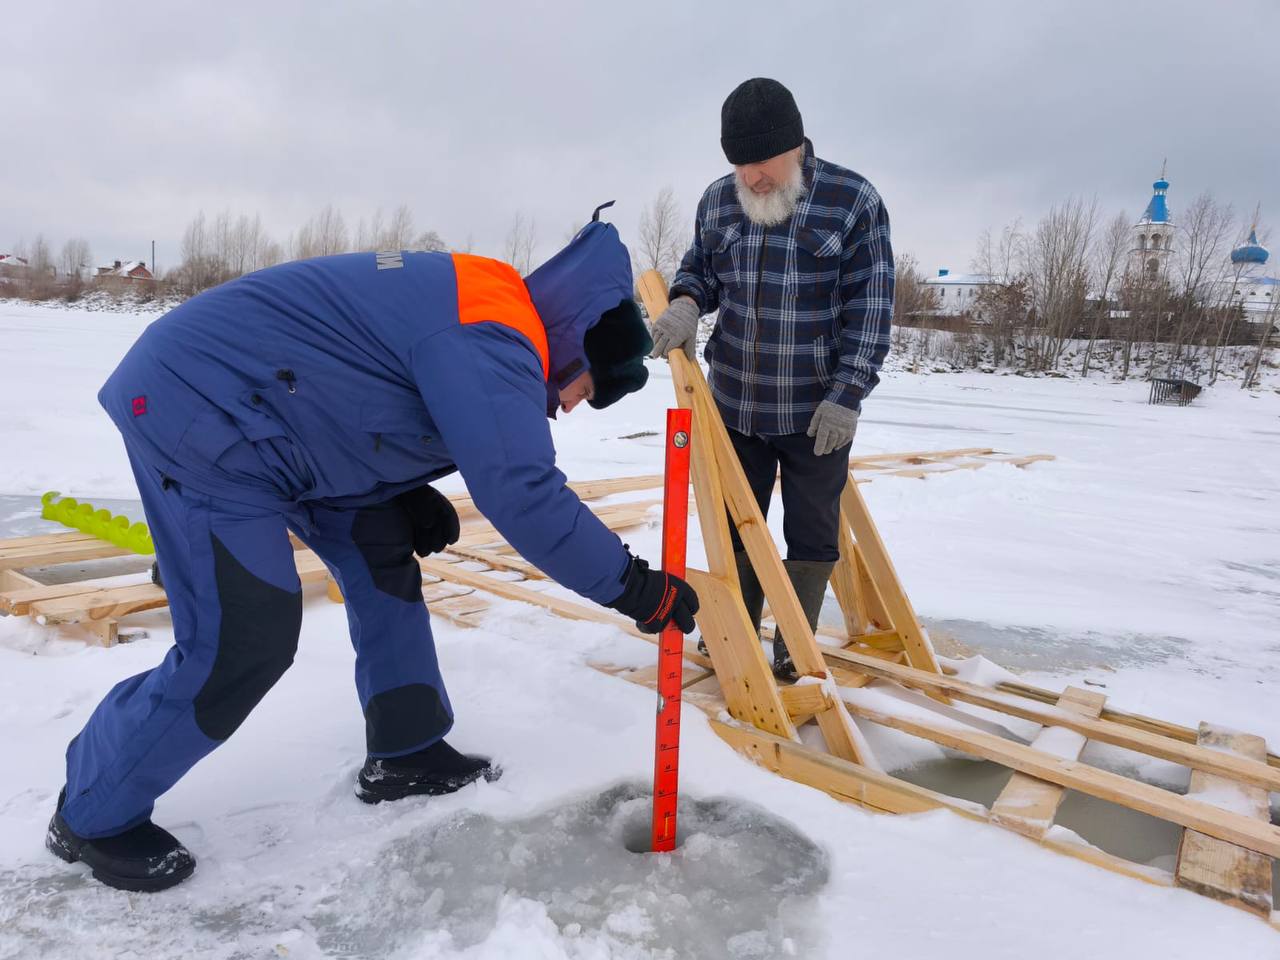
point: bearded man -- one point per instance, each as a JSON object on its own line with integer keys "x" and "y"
{"x": 792, "y": 254}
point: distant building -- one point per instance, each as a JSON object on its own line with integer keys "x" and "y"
{"x": 1152, "y": 245}
{"x": 958, "y": 293}
{"x": 12, "y": 265}
{"x": 125, "y": 271}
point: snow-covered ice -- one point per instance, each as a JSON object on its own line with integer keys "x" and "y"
{"x": 1143, "y": 561}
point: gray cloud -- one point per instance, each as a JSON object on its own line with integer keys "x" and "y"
{"x": 119, "y": 124}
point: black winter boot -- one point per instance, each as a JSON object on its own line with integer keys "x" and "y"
{"x": 433, "y": 771}
{"x": 809, "y": 578}
{"x": 752, "y": 594}
{"x": 143, "y": 859}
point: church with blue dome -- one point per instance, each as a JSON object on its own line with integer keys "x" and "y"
{"x": 1153, "y": 236}
{"x": 1245, "y": 282}
{"x": 1250, "y": 284}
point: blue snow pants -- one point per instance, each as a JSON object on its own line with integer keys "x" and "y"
{"x": 236, "y": 605}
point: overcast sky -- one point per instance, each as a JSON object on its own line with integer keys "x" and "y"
{"x": 121, "y": 121}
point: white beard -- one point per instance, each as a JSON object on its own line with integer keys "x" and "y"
{"x": 774, "y": 207}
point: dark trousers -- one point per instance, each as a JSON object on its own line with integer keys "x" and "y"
{"x": 811, "y": 487}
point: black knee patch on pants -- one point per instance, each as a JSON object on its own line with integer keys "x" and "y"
{"x": 397, "y": 721}
{"x": 384, "y": 538}
{"x": 257, "y": 640}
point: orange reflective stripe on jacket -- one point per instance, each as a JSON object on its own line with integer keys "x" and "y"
{"x": 490, "y": 291}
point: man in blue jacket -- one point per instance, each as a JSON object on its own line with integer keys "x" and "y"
{"x": 321, "y": 397}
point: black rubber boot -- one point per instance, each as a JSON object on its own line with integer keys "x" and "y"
{"x": 143, "y": 859}
{"x": 752, "y": 594}
{"x": 432, "y": 771}
{"x": 809, "y": 578}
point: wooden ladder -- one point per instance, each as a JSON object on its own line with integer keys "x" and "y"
{"x": 864, "y": 580}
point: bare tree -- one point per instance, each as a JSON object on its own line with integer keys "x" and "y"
{"x": 1002, "y": 302}
{"x": 663, "y": 238}
{"x": 74, "y": 258}
{"x": 430, "y": 242}
{"x": 323, "y": 235}
{"x": 521, "y": 243}
{"x": 912, "y": 297}
{"x": 1109, "y": 256}
{"x": 41, "y": 271}
{"x": 1202, "y": 263}
{"x": 1057, "y": 267}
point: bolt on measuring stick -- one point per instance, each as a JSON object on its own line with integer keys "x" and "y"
{"x": 675, "y": 528}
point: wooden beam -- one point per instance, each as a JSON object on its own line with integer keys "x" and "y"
{"x": 1216, "y": 868}
{"x": 748, "y": 687}
{"x": 847, "y": 587}
{"x": 804, "y": 699}
{"x": 1161, "y": 728}
{"x": 493, "y": 559}
{"x": 914, "y": 640}
{"x": 568, "y": 609}
{"x": 1134, "y": 794}
{"x": 712, "y": 516}
{"x": 875, "y": 458}
{"x": 1027, "y": 805}
{"x": 1102, "y": 730}
{"x": 72, "y": 552}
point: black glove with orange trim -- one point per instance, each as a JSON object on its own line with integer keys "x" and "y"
{"x": 655, "y": 599}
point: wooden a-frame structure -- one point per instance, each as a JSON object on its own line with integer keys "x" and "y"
{"x": 1225, "y": 853}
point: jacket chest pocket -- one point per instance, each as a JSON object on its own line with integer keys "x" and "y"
{"x": 724, "y": 250}
{"x": 405, "y": 428}
{"x": 818, "y": 252}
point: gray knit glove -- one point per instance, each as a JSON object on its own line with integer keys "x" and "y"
{"x": 676, "y": 327}
{"x": 833, "y": 426}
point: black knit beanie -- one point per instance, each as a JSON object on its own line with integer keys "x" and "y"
{"x": 759, "y": 120}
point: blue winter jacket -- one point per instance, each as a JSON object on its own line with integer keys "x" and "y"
{"x": 348, "y": 379}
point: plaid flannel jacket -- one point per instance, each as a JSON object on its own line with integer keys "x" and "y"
{"x": 804, "y": 307}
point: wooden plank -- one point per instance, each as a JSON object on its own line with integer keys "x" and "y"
{"x": 12, "y": 581}
{"x": 846, "y": 586}
{"x": 1134, "y": 794}
{"x": 903, "y": 616}
{"x": 1161, "y": 728}
{"x": 73, "y": 552}
{"x": 712, "y": 517}
{"x": 43, "y": 540}
{"x": 838, "y": 778}
{"x": 750, "y": 692}
{"x": 1102, "y": 730}
{"x": 804, "y": 699}
{"x": 495, "y": 560}
{"x": 875, "y": 458}
{"x": 106, "y": 632}
{"x": 877, "y": 612}
{"x": 18, "y": 602}
{"x": 1027, "y": 805}
{"x": 568, "y": 609}
{"x": 1216, "y": 868}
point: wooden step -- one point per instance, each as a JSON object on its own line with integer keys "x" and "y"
{"x": 1028, "y": 805}
{"x": 1216, "y": 868}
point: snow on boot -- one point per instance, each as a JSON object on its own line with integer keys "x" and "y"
{"x": 433, "y": 771}
{"x": 143, "y": 859}
{"x": 752, "y": 594}
{"x": 809, "y": 578}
